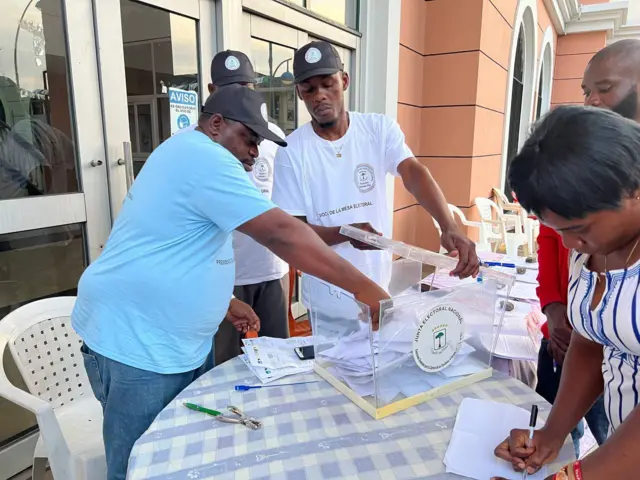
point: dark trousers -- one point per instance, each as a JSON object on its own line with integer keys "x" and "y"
{"x": 548, "y": 384}
{"x": 270, "y": 301}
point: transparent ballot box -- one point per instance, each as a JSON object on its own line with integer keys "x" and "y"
{"x": 423, "y": 345}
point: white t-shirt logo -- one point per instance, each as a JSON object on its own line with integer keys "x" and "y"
{"x": 262, "y": 170}
{"x": 232, "y": 63}
{"x": 364, "y": 177}
{"x": 313, "y": 55}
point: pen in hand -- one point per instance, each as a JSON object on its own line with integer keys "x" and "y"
{"x": 532, "y": 428}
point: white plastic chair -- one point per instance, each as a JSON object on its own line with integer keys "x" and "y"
{"x": 46, "y": 351}
{"x": 530, "y": 226}
{"x": 495, "y": 221}
{"x": 482, "y": 245}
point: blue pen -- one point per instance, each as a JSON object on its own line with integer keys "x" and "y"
{"x": 498, "y": 264}
{"x": 244, "y": 388}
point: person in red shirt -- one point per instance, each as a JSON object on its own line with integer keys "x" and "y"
{"x": 610, "y": 81}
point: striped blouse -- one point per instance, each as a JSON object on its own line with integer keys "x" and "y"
{"x": 615, "y": 324}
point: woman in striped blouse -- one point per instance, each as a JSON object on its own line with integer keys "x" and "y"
{"x": 580, "y": 173}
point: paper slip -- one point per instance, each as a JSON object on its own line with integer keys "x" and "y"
{"x": 522, "y": 291}
{"x": 467, "y": 366}
{"x": 480, "y": 427}
{"x": 274, "y": 353}
{"x": 515, "y": 347}
{"x": 266, "y": 375}
{"x": 529, "y": 276}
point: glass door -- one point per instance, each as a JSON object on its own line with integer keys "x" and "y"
{"x": 271, "y": 47}
{"x": 83, "y": 99}
{"x": 54, "y": 200}
{"x": 151, "y": 47}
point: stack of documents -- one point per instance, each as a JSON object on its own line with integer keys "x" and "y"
{"x": 480, "y": 427}
{"x": 273, "y": 358}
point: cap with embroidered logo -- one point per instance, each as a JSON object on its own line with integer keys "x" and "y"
{"x": 231, "y": 67}
{"x": 243, "y": 105}
{"x": 316, "y": 58}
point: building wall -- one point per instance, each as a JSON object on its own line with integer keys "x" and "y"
{"x": 572, "y": 55}
{"x": 454, "y": 90}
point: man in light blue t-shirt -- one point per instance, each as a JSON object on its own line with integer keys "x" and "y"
{"x": 148, "y": 308}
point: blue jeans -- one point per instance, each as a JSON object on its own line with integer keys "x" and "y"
{"x": 131, "y": 399}
{"x": 548, "y": 384}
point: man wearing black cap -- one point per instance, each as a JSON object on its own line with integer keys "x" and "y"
{"x": 148, "y": 307}
{"x": 262, "y": 279}
{"x": 335, "y": 167}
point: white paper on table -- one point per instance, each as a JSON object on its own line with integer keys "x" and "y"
{"x": 523, "y": 291}
{"x": 266, "y": 375}
{"x": 515, "y": 347}
{"x": 529, "y": 276}
{"x": 480, "y": 426}
{"x": 274, "y": 353}
{"x": 520, "y": 309}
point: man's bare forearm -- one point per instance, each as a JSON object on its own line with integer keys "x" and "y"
{"x": 330, "y": 235}
{"x": 580, "y": 386}
{"x": 297, "y": 244}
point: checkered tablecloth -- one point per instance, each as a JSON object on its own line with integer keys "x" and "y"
{"x": 309, "y": 432}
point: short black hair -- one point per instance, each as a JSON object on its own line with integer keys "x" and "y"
{"x": 577, "y": 161}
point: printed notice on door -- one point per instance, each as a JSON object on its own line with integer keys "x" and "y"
{"x": 183, "y": 108}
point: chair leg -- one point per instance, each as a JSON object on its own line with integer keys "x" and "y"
{"x": 39, "y": 468}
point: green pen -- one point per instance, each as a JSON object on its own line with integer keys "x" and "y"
{"x": 198, "y": 408}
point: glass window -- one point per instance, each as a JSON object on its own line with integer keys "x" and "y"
{"x": 273, "y": 65}
{"x": 539, "y": 102}
{"x": 341, "y": 11}
{"x": 33, "y": 265}
{"x": 138, "y": 67}
{"x": 161, "y": 55}
{"x": 37, "y": 151}
{"x": 517, "y": 91}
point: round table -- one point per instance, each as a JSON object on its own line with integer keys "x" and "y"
{"x": 309, "y": 432}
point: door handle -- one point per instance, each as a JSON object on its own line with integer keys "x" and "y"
{"x": 127, "y": 161}
{"x": 96, "y": 163}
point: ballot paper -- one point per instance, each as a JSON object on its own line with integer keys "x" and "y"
{"x": 529, "y": 276}
{"x": 522, "y": 291}
{"x": 271, "y": 352}
{"x": 266, "y": 375}
{"x": 514, "y": 347}
{"x": 480, "y": 426}
{"x": 274, "y": 358}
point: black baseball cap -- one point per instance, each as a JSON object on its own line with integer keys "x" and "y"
{"x": 316, "y": 58}
{"x": 243, "y": 105}
{"x": 231, "y": 67}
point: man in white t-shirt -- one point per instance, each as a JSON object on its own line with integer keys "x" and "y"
{"x": 334, "y": 170}
{"x": 262, "y": 279}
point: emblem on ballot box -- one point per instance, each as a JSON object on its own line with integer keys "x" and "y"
{"x": 438, "y": 339}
